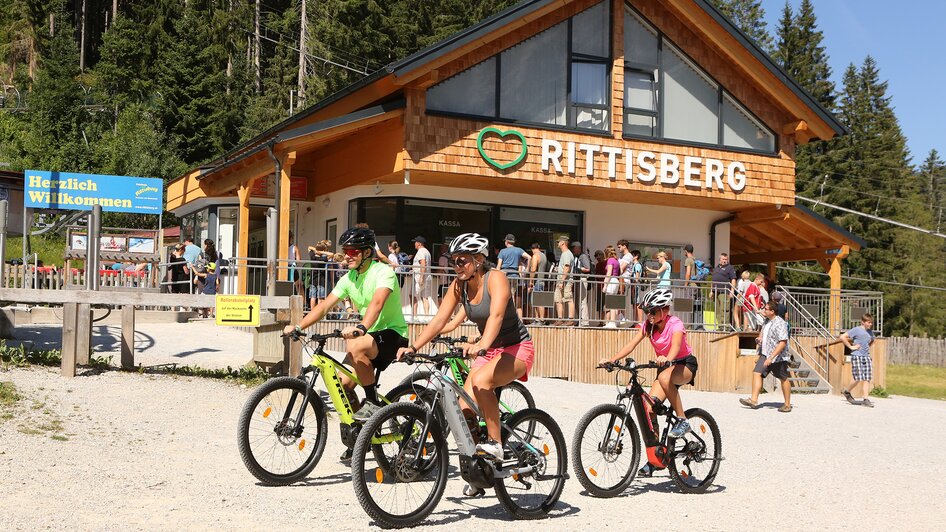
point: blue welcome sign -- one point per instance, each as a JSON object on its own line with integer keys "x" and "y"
{"x": 80, "y": 192}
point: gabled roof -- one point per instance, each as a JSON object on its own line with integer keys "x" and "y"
{"x": 505, "y": 20}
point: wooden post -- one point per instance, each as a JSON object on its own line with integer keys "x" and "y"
{"x": 834, "y": 305}
{"x": 773, "y": 273}
{"x": 69, "y": 339}
{"x": 283, "y": 251}
{"x": 243, "y": 240}
{"x": 83, "y": 333}
{"x": 295, "y": 348}
{"x": 128, "y": 336}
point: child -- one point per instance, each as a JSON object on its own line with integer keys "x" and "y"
{"x": 209, "y": 285}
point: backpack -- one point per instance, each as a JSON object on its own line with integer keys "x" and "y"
{"x": 702, "y": 271}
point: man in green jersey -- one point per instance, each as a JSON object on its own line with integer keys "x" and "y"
{"x": 373, "y": 289}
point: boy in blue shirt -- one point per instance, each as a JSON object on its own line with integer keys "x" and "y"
{"x": 859, "y": 340}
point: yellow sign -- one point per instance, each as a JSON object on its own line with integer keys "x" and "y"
{"x": 237, "y": 311}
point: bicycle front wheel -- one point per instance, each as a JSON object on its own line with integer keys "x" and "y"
{"x": 607, "y": 450}
{"x": 536, "y": 442}
{"x": 695, "y": 457}
{"x": 404, "y": 489}
{"x": 276, "y": 448}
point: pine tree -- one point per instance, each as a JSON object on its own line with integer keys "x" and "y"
{"x": 748, "y": 16}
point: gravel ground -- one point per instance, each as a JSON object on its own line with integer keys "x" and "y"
{"x": 110, "y": 450}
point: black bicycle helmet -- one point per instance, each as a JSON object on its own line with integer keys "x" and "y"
{"x": 656, "y": 298}
{"x": 357, "y": 238}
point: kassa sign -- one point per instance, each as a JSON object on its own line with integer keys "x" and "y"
{"x": 81, "y": 192}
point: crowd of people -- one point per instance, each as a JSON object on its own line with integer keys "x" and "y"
{"x": 566, "y": 286}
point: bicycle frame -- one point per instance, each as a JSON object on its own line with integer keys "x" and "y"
{"x": 447, "y": 398}
{"x": 323, "y": 364}
{"x": 459, "y": 370}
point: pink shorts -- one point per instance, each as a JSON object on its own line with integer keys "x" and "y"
{"x": 524, "y": 351}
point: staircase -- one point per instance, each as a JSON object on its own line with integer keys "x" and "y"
{"x": 809, "y": 370}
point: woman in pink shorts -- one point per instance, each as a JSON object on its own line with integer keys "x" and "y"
{"x": 504, "y": 350}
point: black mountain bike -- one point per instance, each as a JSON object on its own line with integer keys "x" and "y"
{"x": 607, "y": 449}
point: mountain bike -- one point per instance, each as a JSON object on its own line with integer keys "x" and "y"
{"x": 283, "y": 426}
{"x": 512, "y": 397}
{"x": 404, "y": 486}
{"x": 607, "y": 450}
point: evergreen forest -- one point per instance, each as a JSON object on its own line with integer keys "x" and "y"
{"x": 155, "y": 87}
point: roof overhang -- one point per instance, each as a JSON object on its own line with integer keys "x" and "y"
{"x": 771, "y": 234}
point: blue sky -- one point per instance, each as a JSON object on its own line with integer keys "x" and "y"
{"x": 908, "y": 40}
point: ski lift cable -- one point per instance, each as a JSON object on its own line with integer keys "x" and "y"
{"x": 872, "y": 217}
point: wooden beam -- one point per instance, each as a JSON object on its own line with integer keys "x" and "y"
{"x": 786, "y": 255}
{"x": 778, "y": 217}
{"x": 243, "y": 239}
{"x": 83, "y": 333}
{"x": 830, "y": 232}
{"x": 227, "y": 181}
{"x": 69, "y": 312}
{"x": 323, "y": 137}
{"x": 287, "y": 159}
{"x": 61, "y": 297}
{"x": 128, "y": 336}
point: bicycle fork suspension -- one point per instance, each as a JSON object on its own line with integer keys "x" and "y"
{"x": 309, "y": 388}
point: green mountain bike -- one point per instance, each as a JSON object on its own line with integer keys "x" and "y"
{"x": 283, "y": 426}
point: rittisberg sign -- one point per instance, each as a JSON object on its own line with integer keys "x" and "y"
{"x": 648, "y": 167}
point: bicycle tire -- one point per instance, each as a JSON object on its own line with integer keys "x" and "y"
{"x": 417, "y": 376}
{"x": 582, "y": 469}
{"x": 246, "y": 447}
{"x": 512, "y": 389}
{"x": 410, "y": 391}
{"x": 535, "y": 418}
{"x": 701, "y": 422}
{"x": 360, "y": 474}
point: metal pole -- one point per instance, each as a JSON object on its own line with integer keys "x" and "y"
{"x": 92, "y": 249}
{"x": 3, "y": 243}
{"x": 272, "y": 247}
{"x": 27, "y": 224}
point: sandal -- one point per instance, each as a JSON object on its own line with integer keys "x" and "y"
{"x": 749, "y": 402}
{"x": 785, "y": 408}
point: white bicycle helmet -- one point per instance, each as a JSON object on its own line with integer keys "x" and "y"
{"x": 469, "y": 243}
{"x": 656, "y": 298}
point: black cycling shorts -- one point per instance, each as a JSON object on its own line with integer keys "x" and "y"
{"x": 690, "y": 362}
{"x": 388, "y": 342}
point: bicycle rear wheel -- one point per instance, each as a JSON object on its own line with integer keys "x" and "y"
{"x": 513, "y": 397}
{"x": 409, "y": 488}
{"x": 535, "y": 440}
{"x": 694, "y": 459}
{"x": 274, "y": 448}
{"x": 607, "y": 450}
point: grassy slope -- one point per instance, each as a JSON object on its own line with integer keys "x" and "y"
{"x": 917, "y": 381}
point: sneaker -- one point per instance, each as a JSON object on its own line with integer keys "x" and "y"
{"x": 866, "y": 402}
{"x": 367, "y": 410}
{"x": 679, "y": 430}
{"x": 470, "y": 491}
{"x": 647, "y": 471}
{"x": 346, "y": 456}
{"x": 749, "y": 402}
{"x": 849, "y": 397}
{"x": 490, "y": 449}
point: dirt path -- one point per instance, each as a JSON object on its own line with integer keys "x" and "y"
{"x": 123, "y": 450}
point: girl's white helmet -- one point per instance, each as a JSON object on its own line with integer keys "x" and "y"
{"x": 469, "y": 243}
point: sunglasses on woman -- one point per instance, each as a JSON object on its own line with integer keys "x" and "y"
{"x": 460, "y": 262}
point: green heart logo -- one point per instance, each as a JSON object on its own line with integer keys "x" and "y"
{"x": 502, "y": 136}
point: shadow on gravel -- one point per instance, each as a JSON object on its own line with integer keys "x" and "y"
{"x": 495, "y": 511}
{"x": 340, "y": 478}
{"x": 195, "y": 352}
{"x": 665, "y": 486}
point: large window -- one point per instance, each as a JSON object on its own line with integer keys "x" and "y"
{"x": 666, "y": 95}
{"x": 559, "y": 77}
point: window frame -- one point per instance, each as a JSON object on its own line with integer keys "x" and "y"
{"x": 570, "y": 105}
{"x": 661, "y": 100}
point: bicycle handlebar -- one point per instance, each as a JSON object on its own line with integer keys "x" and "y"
{"x": 298, "y": 335}
{"x": 448, "y": 340}
{"x": 630, "y": 365}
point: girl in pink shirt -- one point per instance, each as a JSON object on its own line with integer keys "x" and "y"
{"x": 668, "y": 336}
